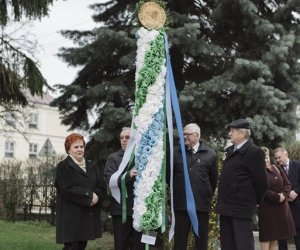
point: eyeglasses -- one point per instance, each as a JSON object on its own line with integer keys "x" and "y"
{"x": 124, "y": 137}
{"x": 189, "y": 134}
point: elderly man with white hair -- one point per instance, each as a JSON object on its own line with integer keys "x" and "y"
{"x": 242, "y": 186}
{"x": 125, "y": 236}
{"x": 202, "y": 169}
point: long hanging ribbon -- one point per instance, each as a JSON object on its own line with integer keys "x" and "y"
{"x": 171, "y": 146}
{"x": 113, "y": 182}
{"x": 124, "y": 197}
{"x": 163, "y": 174}
{"x": 190, "y": 202}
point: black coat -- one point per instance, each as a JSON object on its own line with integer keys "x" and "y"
{"x": 203, "y": 174}
{"x": 243, "y": 181}
{"x": 75, "y": 218}
{"x": 112, "y": 165}
{"x": 294, "y": 178}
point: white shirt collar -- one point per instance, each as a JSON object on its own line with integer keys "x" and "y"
{"x": 241, "y": 144}
{"x": 288, "y": 163}
{"x": 196, "y": 147}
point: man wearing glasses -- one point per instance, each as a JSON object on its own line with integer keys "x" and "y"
{"x": 202, "y": 169}
{"x": 125, "y": 236}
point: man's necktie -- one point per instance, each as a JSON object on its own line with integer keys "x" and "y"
{"x": 286, "y": 169}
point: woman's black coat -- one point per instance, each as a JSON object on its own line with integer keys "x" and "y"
{"x": 75, "y": 219}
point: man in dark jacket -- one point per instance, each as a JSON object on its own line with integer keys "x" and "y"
{"x": 125, "y": 236}
{"x": 202, "y": 169}
{"x": 292, "y": 169}
{"x": 242, "y": 186}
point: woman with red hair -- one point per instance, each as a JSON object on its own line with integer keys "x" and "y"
{"x": 274, "y": 214}
{"x": 80, "y": 192}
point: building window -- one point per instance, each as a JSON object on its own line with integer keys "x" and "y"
{"x": 33, "y": 150}
{"x": 10, "y": 119}
{"x": 9, "y": 149}
{"x": 33, "y": 120}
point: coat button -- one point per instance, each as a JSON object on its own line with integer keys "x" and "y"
{"x": 91, "y": 214}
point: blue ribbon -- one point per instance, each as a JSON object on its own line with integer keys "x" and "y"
{"x": 190, "y": 201}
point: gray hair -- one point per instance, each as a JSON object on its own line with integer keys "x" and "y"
{"x": 280, "y": 149}
{"x": 194, "y": 127}
{"x": 245, "y": 131}
{"x": 125, "y": 128}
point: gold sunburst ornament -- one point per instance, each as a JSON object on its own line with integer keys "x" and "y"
{"x": 152, "y": 15}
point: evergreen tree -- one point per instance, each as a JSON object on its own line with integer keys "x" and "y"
{"x": 17, "y": 69}
{"x": 231, "y": 59}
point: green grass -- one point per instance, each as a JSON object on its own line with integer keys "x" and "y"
{"x": 40, "y": 236}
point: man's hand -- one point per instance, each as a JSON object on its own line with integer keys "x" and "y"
{"x": 133, "y": 173}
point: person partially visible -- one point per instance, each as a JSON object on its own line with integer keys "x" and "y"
{"x": 275, "y": 218}
{"x": 242, "y": 186}
{"x": 125, "y": 236}
{"x": 80, "y": 192}
{"x": 292, "y": 169}
{"x": 203, "y": 174}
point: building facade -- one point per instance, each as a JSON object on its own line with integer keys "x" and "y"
{"x": 32, "y": 131}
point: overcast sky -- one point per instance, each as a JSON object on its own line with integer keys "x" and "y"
{"x": 70, "y": 14}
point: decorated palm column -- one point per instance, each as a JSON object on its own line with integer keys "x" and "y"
{"x": 149, "y": 118}
{"x": 155, "y": 96}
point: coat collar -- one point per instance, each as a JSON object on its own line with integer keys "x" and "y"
{"x": 73, "y": 165}
{"x": 121, "y": 153}
{"x": 291, "y": 168}
{"x": 202, "y": 147}
{"x": 241, "y": 150}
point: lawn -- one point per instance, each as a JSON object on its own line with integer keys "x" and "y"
{"x": 39, "y": 236}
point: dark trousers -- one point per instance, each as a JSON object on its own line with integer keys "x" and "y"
{"x": 283, "y": 245}
{"x": 75, "y": 245}
{"x": 236, "y": 234}
{"x": 125, "y": 236}
{"x": 183, "y": 227}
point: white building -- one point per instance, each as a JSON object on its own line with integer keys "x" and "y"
{"x": 37, "y": 130}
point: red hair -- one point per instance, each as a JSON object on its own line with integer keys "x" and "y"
{"x": 71, "y": 139}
